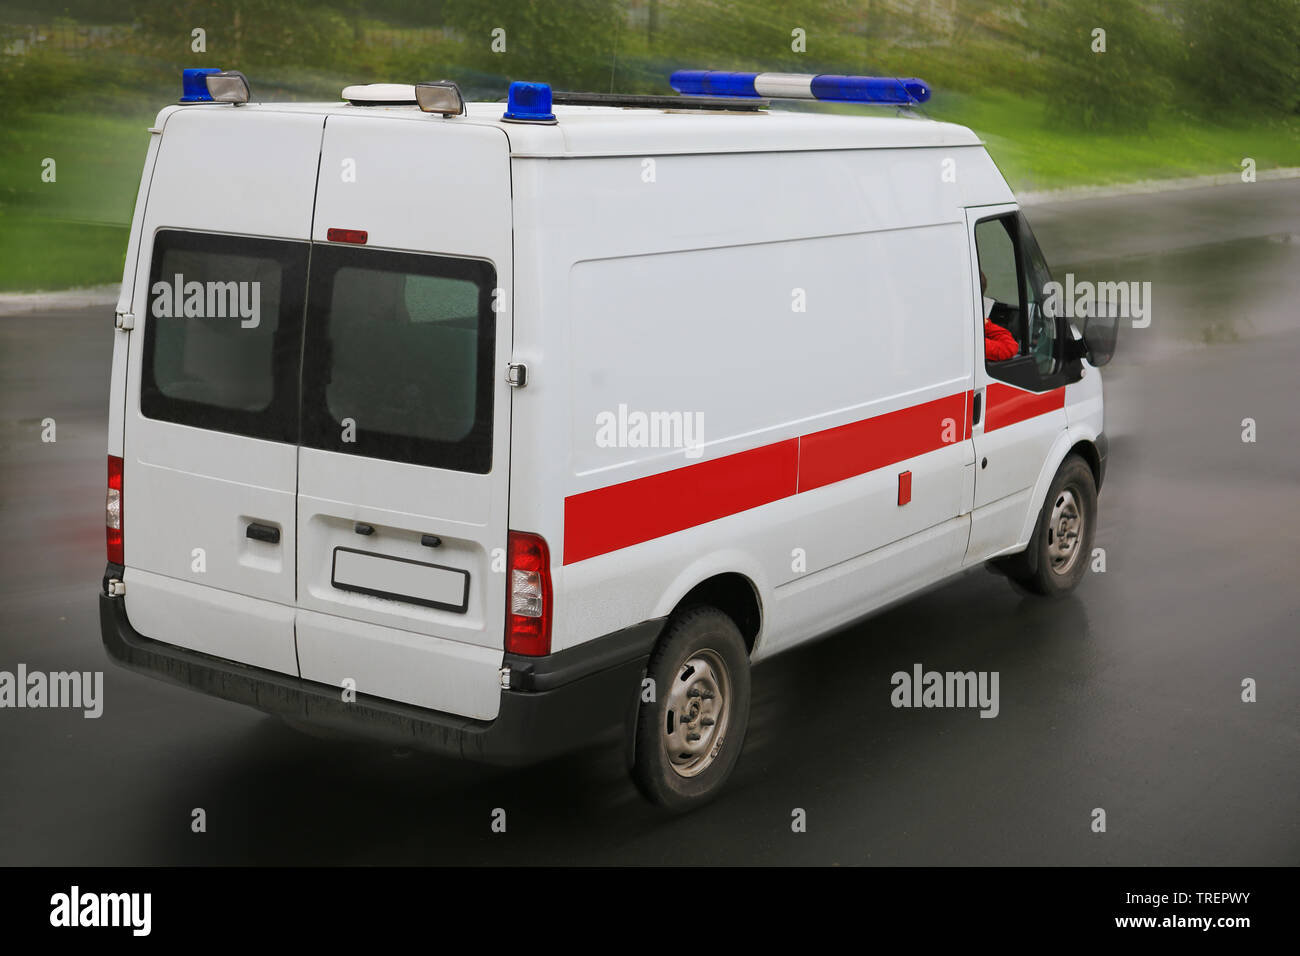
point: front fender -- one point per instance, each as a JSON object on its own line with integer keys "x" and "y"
{"x": 1067, "y": 440}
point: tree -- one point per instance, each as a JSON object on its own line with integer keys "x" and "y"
{"x": 1243, "y": 57}
{"x": 568, "y": 44}
{"x": 1106, "y": 63}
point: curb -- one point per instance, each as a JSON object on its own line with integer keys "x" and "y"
{"x": 18, "y": 303}
{"x": 1146, "y": 186}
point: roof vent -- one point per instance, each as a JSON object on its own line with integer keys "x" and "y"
{"x": 380, "y": 94}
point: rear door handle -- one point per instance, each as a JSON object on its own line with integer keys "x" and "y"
{"x": 263, "y": 532}
{"x": 977, "y": 408}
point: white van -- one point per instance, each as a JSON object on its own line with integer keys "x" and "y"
{"x": 504, "y": 431}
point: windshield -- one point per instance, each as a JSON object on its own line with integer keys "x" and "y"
{"x": 1043, "y": 339}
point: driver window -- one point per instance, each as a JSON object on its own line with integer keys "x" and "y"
{"x": 995, "y": 246}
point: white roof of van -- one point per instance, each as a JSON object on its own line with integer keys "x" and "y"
{"x": 633, "y": 131}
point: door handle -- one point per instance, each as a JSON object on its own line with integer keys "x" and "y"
{"x": 976, "y": 408}
{"x": 263, "y": 532}
{"x": 361, "y": 528}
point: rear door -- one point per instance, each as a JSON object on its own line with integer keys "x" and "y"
{"x": 403, "y": 468}
{"x": 210, "y": 445}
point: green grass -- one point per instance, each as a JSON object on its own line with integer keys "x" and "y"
{"x": 73, "y": 232}
{"x": 46, "y": 254}
{"x": 1034, "y": 154}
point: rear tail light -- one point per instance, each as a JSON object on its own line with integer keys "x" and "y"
{"x": 528, "y": 612}
{"x": 113, "y": 511}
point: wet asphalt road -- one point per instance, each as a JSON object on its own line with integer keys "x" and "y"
{"x": 1125, "y": 696}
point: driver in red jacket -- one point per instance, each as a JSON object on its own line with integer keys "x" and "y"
{"x": 999, "y": 344}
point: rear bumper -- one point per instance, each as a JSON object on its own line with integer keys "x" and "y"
{"x": 574, "y": 698}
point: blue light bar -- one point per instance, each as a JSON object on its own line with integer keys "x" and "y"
{"x": 713, "y": 83}
{"x": 700, "y": 82}
{"x": 194, "y": 86}
{"x": 888, "y": 90}
{"x": 870, "y": 89}
{"x": 529, "y": 103}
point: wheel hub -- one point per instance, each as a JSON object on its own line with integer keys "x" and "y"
{"x": 1064, "y": 531}
{"x": 697, "y": 713}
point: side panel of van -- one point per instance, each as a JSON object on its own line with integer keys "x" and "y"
{"x": 810, "y": 319}
{"x": 404, "y": 464}
{"x": 210, "y": 456}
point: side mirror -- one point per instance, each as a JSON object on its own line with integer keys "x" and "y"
{"x": 1099, "y": 334}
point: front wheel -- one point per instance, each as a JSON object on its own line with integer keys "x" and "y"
{"x": 689, "y": 737}
{"x": 1059, "y": 550}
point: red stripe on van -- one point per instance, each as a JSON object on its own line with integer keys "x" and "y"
{"x": 617, "y": 516}
{"x": 832, "y": 455}
{"x": 1008, "y": 405}
{"x": 607, "y": 519}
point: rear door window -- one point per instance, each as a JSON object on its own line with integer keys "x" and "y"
{"x": 223, "y": 333}
{"x": 398, "y": 357}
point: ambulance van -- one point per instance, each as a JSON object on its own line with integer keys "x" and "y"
{"x": 501, "y": 430}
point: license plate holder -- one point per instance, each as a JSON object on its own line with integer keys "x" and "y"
{"x": 400, "y": 579}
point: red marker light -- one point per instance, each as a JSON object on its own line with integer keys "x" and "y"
{"x": 904, "y": 487}
{"x": 357, "y": 236}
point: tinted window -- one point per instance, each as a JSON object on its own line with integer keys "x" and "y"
{"x": 222, "y": 333}
{"x": 398, "y": 357}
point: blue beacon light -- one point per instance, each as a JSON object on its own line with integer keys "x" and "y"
{"x": 529, "y": 103}
{"x": 194, "y": 87}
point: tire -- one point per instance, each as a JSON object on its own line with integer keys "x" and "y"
{"x": 700, "y": 669}
{"x": 1061, "y": 546}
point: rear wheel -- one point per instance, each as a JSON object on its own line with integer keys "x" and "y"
{"x": 689, "y": 737}
{"x": 1058, "y": 553}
